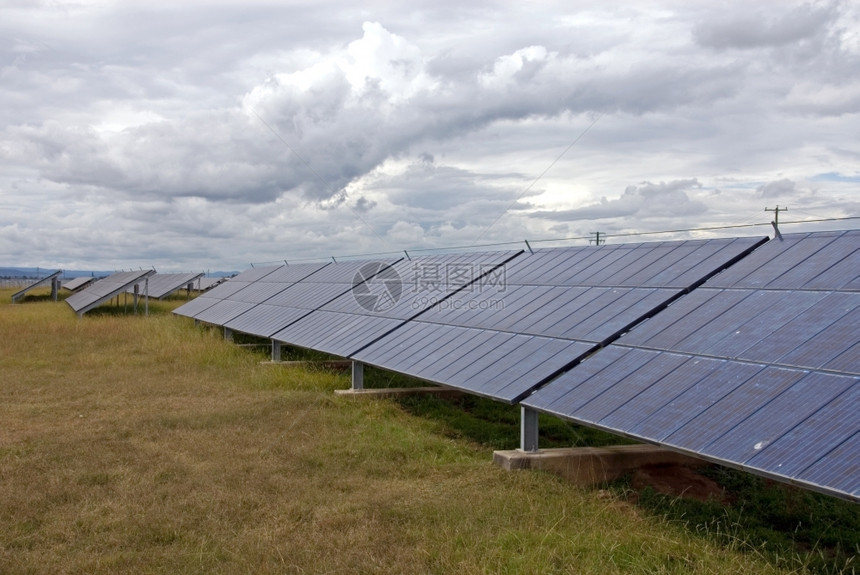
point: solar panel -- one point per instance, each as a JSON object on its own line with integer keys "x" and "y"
{"x": 548, "y": 310}
{"x": 205, "y": 284}
{"x": 837, "y": 470}
{"x": 162, "y": 285}
{"x": 223, "y": 291}
{"x": 380, "y": 299}
{"x": 76, "y": 283}
{"x": 255, "y": 287}
{"x": 758, "y": 368}
{"x": 104, "y": 289}
{"x": 195, "y": 306}
{"x": 300, "y": 292}
{"x": 45, "y": 280}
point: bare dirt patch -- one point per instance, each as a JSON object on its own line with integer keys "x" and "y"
{"x": 677, "y": 481}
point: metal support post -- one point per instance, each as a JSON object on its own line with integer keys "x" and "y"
{"x": 55, "y": 287}
{"x": 228, "y": 334}
{"x": 276, "y": 350}
{"x": 136, "y": 296}
{"x": 528, "y": 429}
{"x": 357, "y": 375}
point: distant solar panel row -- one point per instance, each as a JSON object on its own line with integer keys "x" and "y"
{"x": 162, "y": 285}
{"x": 75, "y": 283}
{"x": 732, "y": 325}
{"x": 104, "y": 289}
{"x": 43, "y": 281}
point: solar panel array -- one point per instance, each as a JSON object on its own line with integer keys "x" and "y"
{"x": 104, "y": 289}
{"x": 759, "y": 368}
{"x": 47, "y": 279}
{"x": 74, "y": 284}
{"x": 162, "y": 285}
{"x": 204, "y": 283}
{"x": 222, "y": 292}
{"x": 552, "y": 308}
{"x": 701, "y": 346}
{"x": 307, "y": 288}
{"x": 355, "y": 318}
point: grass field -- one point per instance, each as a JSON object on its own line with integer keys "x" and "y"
{"x": 132, "y": 444}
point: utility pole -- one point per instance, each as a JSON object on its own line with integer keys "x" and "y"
{"x": 776, "y": 211}
{"x": 597, "y": 239}
{"x": 775, "y": 222}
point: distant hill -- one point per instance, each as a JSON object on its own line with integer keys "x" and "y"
{"x": 36, "y": 273}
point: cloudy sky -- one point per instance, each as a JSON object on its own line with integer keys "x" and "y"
{"x": 196, "y": 135}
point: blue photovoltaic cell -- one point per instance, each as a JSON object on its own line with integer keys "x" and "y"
{"x": 635, "y": 405}
{"x": 837, "y": 470}
{"x": 295, "y": 292}
{"x": 493, "y": 364}
{"x": 763, "y": 268}
{"x": 223, "y": 311}
{"x": 777, "y": 416}
{"x": 664, "y": 332}
{"x": 334, "y": 333}
{"x": 812, "y": 322}
{"x": 847, "y": 361}
{"x": 265, "y": 320}
{"x": 820, "y": 433}
{"x": 698, "y": 397}
{"x": 830, "y": 268}
{"x": 226, "y": 289}
{"x": 288, "y": 274}
{"x": 844, "y": 275}
{"x": 759, "y": 316}
{"x": 195, "y": 306}
{"x": 259, "y": 292}
{"x": 602, "y": 402}
{"x": 769, "y": 379}
{"x": 255, "y": 274}
{"x": 818, "y": 350}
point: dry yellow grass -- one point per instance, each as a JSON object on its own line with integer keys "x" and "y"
{"x": 133, "y": 444}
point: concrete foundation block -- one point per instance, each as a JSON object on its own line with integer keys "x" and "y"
{"x": 590, "y": 466}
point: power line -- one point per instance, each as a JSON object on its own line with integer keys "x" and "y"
{"x": 568, "y": 239}
{"x": 541, "y": 175}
